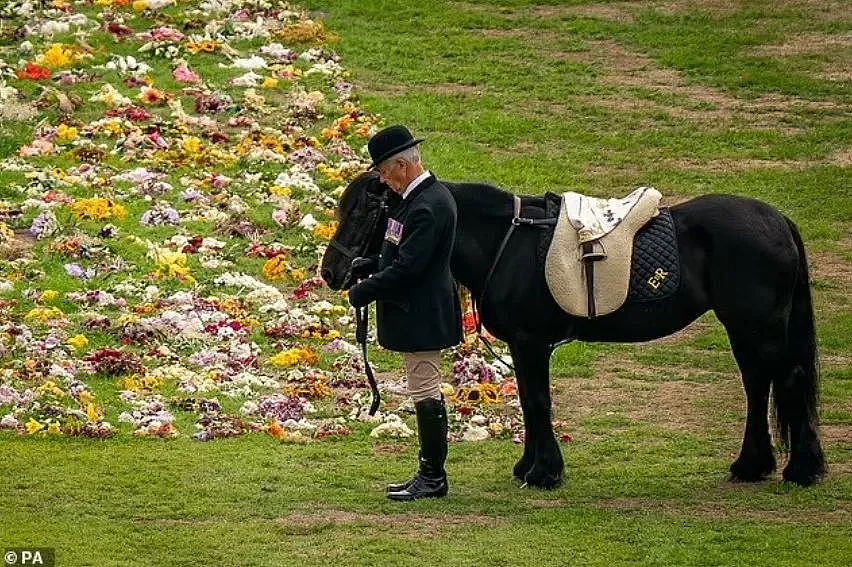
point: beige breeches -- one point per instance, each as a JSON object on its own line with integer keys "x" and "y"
{"x": 423, "y": 372}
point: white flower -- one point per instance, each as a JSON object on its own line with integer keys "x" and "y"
{"x": 475, "y": 433}
{"x": 250, "y": 64}
{"x": 393, "y": 426}
{"x": 308, "y": 222}
{"x": 8, "y": 422}
{"x": 250, "y": 79}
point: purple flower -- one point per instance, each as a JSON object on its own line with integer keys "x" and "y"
{"x": 306, "y": 157}
{"x": 44, "y": 225}
{"x": 77, "y": 271}
{"x": 281, "y": 408}
{"x": 161, "y": 215}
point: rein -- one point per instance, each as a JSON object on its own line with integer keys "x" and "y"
{"x": 362, "y": 313}
{"x": 517, "y": 220}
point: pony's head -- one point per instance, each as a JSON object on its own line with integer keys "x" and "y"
{"x": 362, "y": 215}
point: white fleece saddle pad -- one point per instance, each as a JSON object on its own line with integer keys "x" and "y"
{"x": 608, "y": 226}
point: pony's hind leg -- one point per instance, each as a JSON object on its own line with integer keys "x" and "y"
{"x": 541, "y": 465}
{"x": 761, "y": 356}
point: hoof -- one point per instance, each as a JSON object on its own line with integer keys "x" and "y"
{"x": 804, "y": 475}
{"x": 522, "y": 468}
{"x": 742, "y": 471}
{"x": 542, "y": 479}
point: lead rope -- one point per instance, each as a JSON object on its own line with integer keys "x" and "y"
{"x": 361, "y": 320}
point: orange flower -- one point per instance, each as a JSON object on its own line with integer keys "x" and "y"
{"x": 202, "y": 46}
{"x": 152, "y": 96}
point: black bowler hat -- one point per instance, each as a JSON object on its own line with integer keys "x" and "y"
{"x": 389, "y": 142}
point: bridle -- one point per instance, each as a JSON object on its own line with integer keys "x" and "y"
{"x": 352, "y": 253}
{"x": 355, "y": 254}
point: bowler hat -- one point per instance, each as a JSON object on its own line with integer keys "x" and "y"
{"x": 389, "y": 142}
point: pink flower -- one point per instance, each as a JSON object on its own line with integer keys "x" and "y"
{"x": 183, "y": 74}
{"x": 280, "y": 217}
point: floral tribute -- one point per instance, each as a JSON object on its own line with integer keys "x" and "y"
{"x": 170, "y": 170}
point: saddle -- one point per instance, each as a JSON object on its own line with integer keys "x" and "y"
{"x": 588, "y": 262}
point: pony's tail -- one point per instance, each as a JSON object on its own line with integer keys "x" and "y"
{"x": 796, "y": 395}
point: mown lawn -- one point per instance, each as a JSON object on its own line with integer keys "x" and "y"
{"x": 752, "y": 98}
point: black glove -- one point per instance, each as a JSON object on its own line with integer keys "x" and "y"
{"x": 363, "y": 266}
{"x": 358, "y": 295}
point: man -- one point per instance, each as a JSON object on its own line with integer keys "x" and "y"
{"x": 417, "y": 306}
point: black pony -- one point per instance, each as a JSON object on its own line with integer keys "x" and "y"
{"x": 739, "y": 257}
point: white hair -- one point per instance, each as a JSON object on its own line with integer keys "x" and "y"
{"x": 411, "y": 155}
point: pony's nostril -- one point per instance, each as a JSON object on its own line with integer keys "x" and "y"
{"x": 327, "y": 275}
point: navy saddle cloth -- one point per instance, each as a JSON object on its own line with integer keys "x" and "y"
{"x": 655, "y": 269}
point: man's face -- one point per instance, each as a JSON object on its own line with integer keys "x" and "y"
{"x": 393, "y": 173}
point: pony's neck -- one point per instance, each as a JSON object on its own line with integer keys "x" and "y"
{"x": 484, "y": 214}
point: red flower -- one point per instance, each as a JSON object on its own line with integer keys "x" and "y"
{"x": 34, "y": 72}
{"x": 469, "y": 323}
{"x": 119, "y": 31}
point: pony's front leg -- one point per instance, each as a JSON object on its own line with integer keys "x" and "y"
{"x": 541, "y": 465}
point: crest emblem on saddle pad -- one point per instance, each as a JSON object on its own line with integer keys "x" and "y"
{"x": 393, "y": 233}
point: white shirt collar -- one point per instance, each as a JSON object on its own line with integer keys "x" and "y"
{"x": 417, "y": 180}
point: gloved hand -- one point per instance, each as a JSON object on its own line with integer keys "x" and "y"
{"x": 363, "y": 266}
{"x": 358, "y": 296}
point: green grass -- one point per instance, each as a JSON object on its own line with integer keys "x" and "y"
{"x": 531, "y": 100}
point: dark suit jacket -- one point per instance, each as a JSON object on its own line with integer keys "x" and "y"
{"x": 417, "y": 303}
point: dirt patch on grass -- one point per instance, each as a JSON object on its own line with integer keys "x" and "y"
{"x": 453, "y": 89}
{"x": 836, "y": 435}
{"x": 644, "y": 87}
{"x": 389, "y": 449}
{"x": 18, "y": 246}
{"x": 676, "y": 405}
{"x": 403, "y": 524}
{"x": 722, "y": 510}
{"x": 614, "y": 12}
{"x": 828, "y": 266}
{"x": 805, "y": 44}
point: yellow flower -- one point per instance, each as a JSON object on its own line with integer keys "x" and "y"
{"x": 53, "y": 428}
{"x": 44, "y": 314}
{"x": 325, "y": 231}
{"x": 78, "y": 342}
{"x": 447, "y": 390}
{"x": 66, "y": 133}
{"x": 92, "y": 413}
{"x": 275, "y": 267}
{"x": 279, "y": 191}
{"x": 299, "y": 275}
{"x": 140, "y": 5}
{"x": 49, "y": 295}
{"x": 34, "y": 426}
{"x": 56, "y": 57}
{"x": 5, "y": 232}
{"x": 293, "y": 357}
{"x": 269, "y": 83}
{"x": 97, "y": 208}
{"x": 192, "y": 145}
{"x": 51, "y": 388}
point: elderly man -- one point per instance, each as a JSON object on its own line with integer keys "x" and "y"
{"x": 417, "y": 304}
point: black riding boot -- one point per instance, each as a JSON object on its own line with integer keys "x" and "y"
{"x": 431, "y": 480}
